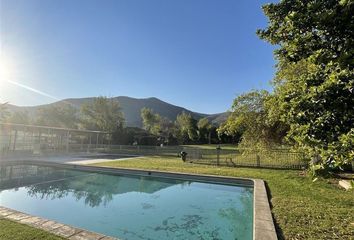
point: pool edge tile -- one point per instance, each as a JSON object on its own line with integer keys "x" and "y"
{"x": 56, "y": 228}
{"x": 263, "y": 224}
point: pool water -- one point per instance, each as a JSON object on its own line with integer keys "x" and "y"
{"x": 130, "y": 206}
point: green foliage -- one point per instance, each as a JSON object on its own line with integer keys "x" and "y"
{"x": 250, "y": 119}
{"x": 102, "y": 114}
{"x": 314, "y": 85}
{"x": 20, "y": 118}
{"x": 151, "y": 120}
{"x": 57, "y": 116}
{"x": 4, "y": 113}
{"x": 159, "y": 126}
{"x": 204, "y": 130}
{"x": 186, "y": 128}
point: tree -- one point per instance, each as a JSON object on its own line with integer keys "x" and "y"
{"x": 162, "y": 127}
{"x": 314, "y": 85}
{"x": 20, "y": 118}
{"x": 63, "y": 115}
{"x": 186, "y": 128}
{"x": 204, "y": 130}
{"x": 250, "y": 119}
{"x": 151, "y": 120}
{"x": 103, "y": 114}
{"x": 4, "y": 113}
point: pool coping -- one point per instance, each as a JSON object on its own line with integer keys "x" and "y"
{"x": 50, "y": 226}
{"x": 263, "y": 225}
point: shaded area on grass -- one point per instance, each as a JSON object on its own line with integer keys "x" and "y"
{"x": 302, "y": 209}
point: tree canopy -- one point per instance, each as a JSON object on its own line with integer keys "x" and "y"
{"x": 102, "y": 114}
{"x": 186, "y": 128}
{"x": 64, "y": 115}
{"x": 314, "y": 84}
{"x": 250, "y": 118}
{"x": 20, "y": 118}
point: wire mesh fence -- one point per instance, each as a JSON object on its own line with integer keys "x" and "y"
{"x": 266, "y": 158}
{"x": 20, "y": 140}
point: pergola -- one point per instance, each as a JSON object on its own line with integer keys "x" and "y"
{"x": 22, "y": 137}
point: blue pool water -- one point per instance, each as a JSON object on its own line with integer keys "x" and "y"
{"x": 129, "y": 206}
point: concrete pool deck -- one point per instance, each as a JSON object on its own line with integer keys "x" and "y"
{"x": 50, "y": 226}
{"x": 77, "y": 158}
{"x": 100, "y": 160}
{"x": 263, "y": 225}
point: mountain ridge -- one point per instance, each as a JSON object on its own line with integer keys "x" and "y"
{"x": 131, "y": 108}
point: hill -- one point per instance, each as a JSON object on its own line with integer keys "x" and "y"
{"x": 131, "y": 108}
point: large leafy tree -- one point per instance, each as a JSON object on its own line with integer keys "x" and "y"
{"x": 186, "y": 128}
{"x": 204, "y": 130}
{"x": 63, "y": 115}
{"x": 102, "y": 114}
{"x": 250, "y": 119}
{"x": 158, "y": 125}
{"x": 151, "y": 120}
{"x": 314, "y": 85}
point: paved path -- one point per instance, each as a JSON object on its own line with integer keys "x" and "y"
{"x": 99, "y": 160}
{"x": 79, "y": 158}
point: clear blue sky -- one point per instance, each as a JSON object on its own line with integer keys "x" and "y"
{"x": 199, "y": 54}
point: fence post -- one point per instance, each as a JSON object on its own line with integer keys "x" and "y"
{"x": 97, "y": 136}
{"x": 15, "y": 140}
{"x": 67, "y": 141}
{"x": 258, "y": 160}
{"x": 89, "y": 145}
{"x": 218, "y": 155}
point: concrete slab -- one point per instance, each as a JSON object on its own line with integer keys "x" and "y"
{"x": 85, "y": 235}
{"x": 100, "y": 160}
{"x": 264, "y": 224}
{"x": 66, "y": 231}
{"x": 17, "y": 216}
{"x": 109, "y": 238}
{"x": 33, "y": 220}
{"x": 50, "y": 225}
{"x": 264, "y": 228}
{"x": 5, "y": 212}
{"x": 265, "y": 234}
{"x": 345, "y": 184}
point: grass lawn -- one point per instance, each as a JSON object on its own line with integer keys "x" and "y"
{"x": 16, "y": 231}
{"x": 302, "y": 209}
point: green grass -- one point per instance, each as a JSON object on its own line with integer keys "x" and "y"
{"x": 302, "y": 209}
{"x": 16, "y": 231}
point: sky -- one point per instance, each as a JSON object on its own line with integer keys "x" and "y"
{"x": 198, "y": 54}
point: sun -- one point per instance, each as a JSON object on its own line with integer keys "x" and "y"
{"x": 7, "y": 73}
{"x": 7, "y": 68}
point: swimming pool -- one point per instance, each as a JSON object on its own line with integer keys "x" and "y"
{"x": 131, "y": 204}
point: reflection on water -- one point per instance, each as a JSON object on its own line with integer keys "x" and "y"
{"x": 96, "y": 189}
{"x": 130, "y": 207}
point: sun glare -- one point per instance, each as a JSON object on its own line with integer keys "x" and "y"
{"x": 7, "y": 71}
